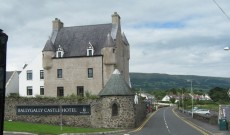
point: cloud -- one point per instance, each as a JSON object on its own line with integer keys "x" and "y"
{"x": 175, "y": 37}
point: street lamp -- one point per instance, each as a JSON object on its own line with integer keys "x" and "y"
{"x": 191, "y": 96}
{"x": 182, "y": 104}
{"x": 227, "y": 49}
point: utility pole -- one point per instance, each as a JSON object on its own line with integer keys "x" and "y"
{"x": 3, "y": 42}
{"x": 192, "y": 98}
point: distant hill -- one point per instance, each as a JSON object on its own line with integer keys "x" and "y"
{"x": 156, "y": 81}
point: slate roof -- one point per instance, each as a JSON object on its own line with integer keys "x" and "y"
{"x": 8, "y": 75}
{"x": 116, "y": 86}
{"x": 49, "y": 46}
{"x": 75, "y": 40}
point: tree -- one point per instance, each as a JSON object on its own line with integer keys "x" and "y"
{"x": 172, "y": 100}
{"x": 218, "y": 94}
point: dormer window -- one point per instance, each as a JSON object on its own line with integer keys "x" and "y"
{"x": 90, "y": 50}
{"x": 59, "y": 52}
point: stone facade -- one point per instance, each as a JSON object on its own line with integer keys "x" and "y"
{"x": 129, "y": 114}
{"x": 108, "y": 47}
{"x": 126, "y": 112}
{"x": 74, "y": 74}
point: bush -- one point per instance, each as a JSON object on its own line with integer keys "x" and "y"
{"x": 14, "y": 95}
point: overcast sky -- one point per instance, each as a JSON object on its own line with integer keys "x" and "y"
{"x": 184, "y": 37}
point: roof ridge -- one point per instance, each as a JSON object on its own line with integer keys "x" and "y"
{"x": 88, "y": 25}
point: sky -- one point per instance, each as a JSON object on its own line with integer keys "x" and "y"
{"x": 180, "y": 37}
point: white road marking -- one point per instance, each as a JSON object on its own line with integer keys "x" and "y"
{"x": 166, "y": 123}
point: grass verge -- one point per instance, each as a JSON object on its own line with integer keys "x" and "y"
{"x": 47, "y": 129}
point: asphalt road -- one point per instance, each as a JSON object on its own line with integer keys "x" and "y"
{"x": 165, "y": 122}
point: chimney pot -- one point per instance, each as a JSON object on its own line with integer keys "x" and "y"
{"x": 115, "y": 18}
{"x": 57, "y": 24}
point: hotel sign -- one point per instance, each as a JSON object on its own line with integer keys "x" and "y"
{"x": 54, "y": 110}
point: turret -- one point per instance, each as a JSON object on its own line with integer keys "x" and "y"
{"x": 48, "y": 53}
{"x": 109, "y": 51}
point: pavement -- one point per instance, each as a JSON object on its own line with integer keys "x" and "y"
{"x": 208, "y": 128}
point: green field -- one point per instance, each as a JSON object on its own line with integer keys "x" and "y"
{"x": 47, "y": 129}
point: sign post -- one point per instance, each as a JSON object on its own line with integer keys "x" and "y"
{"x": 3, "y": 42}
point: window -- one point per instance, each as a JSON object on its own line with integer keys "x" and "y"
{"x": 59, "y": 52}
{"x": 60, "y": 91}
{"x": 29, "y": 90}
{"x": 114, "y": 109}
{"x": 41, "y": 74}
{"x": 59, "y": 73}
{"x": 29, "y": 75}
{"x": 41, "y": 90}
{"x": 90, "y": 72}
{"x": 80, "y": 91}
{"x": 90, "y": 50}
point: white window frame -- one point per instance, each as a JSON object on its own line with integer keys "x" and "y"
{"x": 59, "y": 52}
{"x": 90, "y": 50}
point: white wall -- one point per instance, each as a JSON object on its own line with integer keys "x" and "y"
{"x": 36, "y": 82}
{"x": 166, "y": 98}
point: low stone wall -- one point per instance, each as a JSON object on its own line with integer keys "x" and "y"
{"x": 140, "y": 113}
{"x": 71, "y": 120}
{"x": 211, "y": 119}
{"x": 130, "y": 115}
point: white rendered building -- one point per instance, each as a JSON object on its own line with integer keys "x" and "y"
{"x": 31, "y": 79}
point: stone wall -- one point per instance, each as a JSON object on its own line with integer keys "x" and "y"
{"x": 73, "y": 75}
{"x": 130, "y": 115}
{"x": 71, "y": 120}
{"x": 140, "y": 113}
{"x": 126, "y": 113}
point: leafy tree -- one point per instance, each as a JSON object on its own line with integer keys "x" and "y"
{"x": 218, "y": 94}
{"x": 159, "y": 94}
{"x": 172, "y": 100}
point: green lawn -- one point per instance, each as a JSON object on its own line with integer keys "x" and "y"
{"x": 47, "y": 129}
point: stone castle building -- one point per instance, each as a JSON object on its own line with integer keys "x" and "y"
{"x": 81, "y": 59}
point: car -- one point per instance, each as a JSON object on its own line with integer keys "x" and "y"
{"x": 202, "y": 111}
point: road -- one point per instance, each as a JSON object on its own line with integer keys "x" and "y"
{"x": 166, "y": 122}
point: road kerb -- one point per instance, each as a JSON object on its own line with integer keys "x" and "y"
{"x": 143, "y": 124}
{"x": 200, "y": 129}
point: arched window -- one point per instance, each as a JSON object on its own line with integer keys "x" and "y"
{"x": 114, "y": 109}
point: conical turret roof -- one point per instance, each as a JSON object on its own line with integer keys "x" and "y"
{"x": 49, "y": 46}
{"x": 116, "y": 86}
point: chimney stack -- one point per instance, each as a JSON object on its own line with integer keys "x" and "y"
{"x": 57, "y": 24}
{"x": 115, "y": 18}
